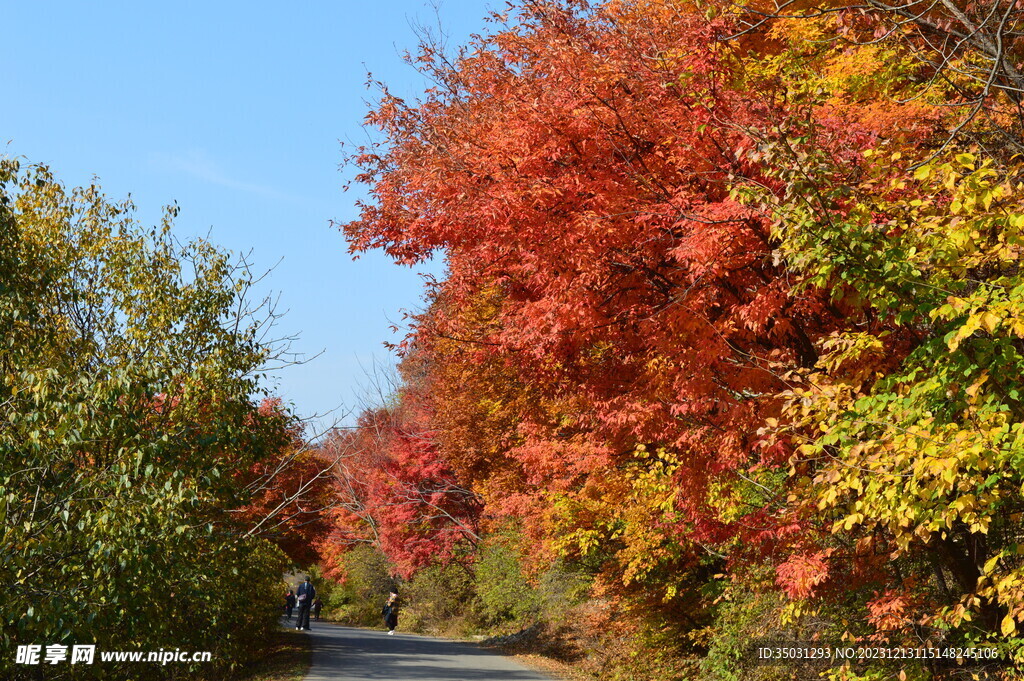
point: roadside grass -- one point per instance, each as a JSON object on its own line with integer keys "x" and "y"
{"x": 286, "y": 658}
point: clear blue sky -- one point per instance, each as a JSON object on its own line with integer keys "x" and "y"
{"x": 235, "y": 110}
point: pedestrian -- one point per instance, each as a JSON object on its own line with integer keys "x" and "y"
{"x": 305, "y": 595}
{"x": 390, "y": 613}
{"x": 289, "y": 604}
{"x": 318, "y": 605}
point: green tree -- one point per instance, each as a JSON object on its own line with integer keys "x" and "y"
{"x": 128, "y": 370}
{"x": 504, "y": 591}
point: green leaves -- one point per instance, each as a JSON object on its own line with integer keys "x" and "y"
{"x": 911, "y": 424}
{"x": 122, "y": 385}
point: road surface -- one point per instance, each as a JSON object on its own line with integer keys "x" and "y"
{"x": 346, "y": 654}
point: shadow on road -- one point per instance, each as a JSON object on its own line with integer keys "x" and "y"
{"x": 358, "y": 654}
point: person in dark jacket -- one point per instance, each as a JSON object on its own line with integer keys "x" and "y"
{"x": 289, "y": 603}
{"x": 318, "y": 605}
{"x": 390, "y": 613}
{"x": 305, "y": 595}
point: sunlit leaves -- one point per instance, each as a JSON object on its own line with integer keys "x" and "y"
{"x": 680, "y": 271}
{"x": 928, "y": 451}
{"x": 126, "y": 378}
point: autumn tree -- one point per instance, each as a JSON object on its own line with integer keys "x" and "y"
{"x": 290, "y": 493}
{"x": 730, "y": 304}
{"x": 967, "y": 54}
{"x": 578, "y": 184}
{"x": 395, "y": 493}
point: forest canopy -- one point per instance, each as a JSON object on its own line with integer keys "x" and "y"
{"x": 731, "y": 324}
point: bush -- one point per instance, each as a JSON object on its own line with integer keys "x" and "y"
{"x": 504, "y": 592}
{"x": 560, "y": 589}
{"x": 357, "y": 600}
{"x": 441, "y": 600}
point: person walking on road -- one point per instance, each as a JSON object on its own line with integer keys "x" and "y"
{"x": 304, "y": 595}
{"x": 390, "y": 613}
{"x": 289, "y": 604}
{"x": 318, "y": 605}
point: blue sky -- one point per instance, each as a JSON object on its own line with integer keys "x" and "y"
{"x": 235, "y": 110}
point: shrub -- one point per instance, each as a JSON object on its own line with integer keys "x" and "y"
{"x": 357, "y": 599}
{"x": 505, "y": 594}
{"x": 441, "y": 599}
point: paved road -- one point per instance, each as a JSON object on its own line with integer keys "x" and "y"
{"x": 345, "y": 654}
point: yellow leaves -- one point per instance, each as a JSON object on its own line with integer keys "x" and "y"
{"x": 628, "y": 506}
{"x": 962, "y": 611}
{"x": 847, "y": 347}
{"x": 964, "y": 214}
{"x": 914, "y": 479}
{"x": 848, "y": 69}
{"x": 964, "y": 503}
{"x": 1008, "y": 626}
{"x": 977, "y": 524}
{"x": 828, "y": 497}
{"x": 972, "y": 390}
{"x": 989, "y": 321}
{"x": 972, "y": 324}
{"x": 580, "y": 542}
{"x": 966, "y": 160}
{"x": 793, "y": 611}
{"x": 851, "y": 521}
{"x": 991, "y": 309}
{"x": 798, "y": 32}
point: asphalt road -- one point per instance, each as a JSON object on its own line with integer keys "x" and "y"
{"x": 345, "y": 654}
